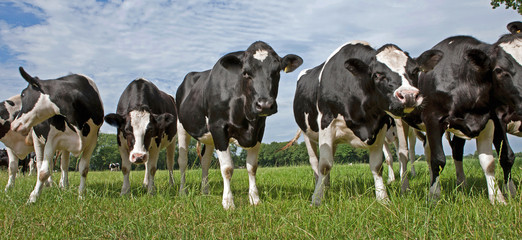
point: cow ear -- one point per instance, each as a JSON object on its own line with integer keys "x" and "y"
{"x": 478, "y": 59}
{"x": 291, "y": 62}
{"x": 356, "y": 66}
{"x": 514, "y": 27}
{"x": 31, "y": 80}
{"x": 114, "y": 119}
{"x": 231, "y": 63}
{"x": 165, "y": 119}
{"x": 429, "y": 59}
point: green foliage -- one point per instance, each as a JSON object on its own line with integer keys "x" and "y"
{"x": 513, "y": 4}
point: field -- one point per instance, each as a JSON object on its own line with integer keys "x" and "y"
{"x": 349, "y": 210}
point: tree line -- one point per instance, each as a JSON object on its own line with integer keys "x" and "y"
{"x": 107, "y": 152}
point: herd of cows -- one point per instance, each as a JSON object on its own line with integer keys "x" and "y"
{"x": 462, "y": 86}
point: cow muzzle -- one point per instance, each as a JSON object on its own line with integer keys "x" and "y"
{"x": 138, "y": 158}
{"x": 409, "y": 98}
{"x": 265, "y": 107}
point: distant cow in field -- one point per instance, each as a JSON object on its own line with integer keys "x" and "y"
{"x": 4, "y": 159}
{"x": 17, "y": 145}
{"x": 146, "y": 123}
{"x": 230, "y": 103}
{"x": 350, "y": 98}
{"x": 114, "y": 166}
{"x": 65, "y": 114}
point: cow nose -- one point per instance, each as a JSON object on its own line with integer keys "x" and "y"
{"x": 408, "y": 98}
{"x": 265, "y": 107}
{"x": 138, "y": 158}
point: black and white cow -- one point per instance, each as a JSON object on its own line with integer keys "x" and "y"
{"x": 350, "y": 98}
{"x": 146, "y": 123}
{"x": 506, "y": 64}
{"x": 230, "y": 103}
{"x": 17, "y": 145}
{"x": 32, "y": 163}
{"x": 461, "y": 95}
{"x": 114, "y": 166}
{"x": 403, "y": 138}
{"x": 65, "y": 114}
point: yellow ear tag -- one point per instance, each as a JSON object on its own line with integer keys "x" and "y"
{"x": 286, "y": 69}
{"x": 518, "y": 31}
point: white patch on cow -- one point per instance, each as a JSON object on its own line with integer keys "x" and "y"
{"x": 139, "y": 121}
{"x": 302, "y": 73}
{"x": 43, "y": 109}
{"x": 261, "y": 55}
{"x": 513, "y": 128}
{"x": 396, "y": 61}
{"x": 450, "y": 42}
{"x": 514, "y": 49}
{"x": 336, "y": 51}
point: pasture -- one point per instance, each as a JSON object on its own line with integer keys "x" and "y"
{"x": 349, "y": 210}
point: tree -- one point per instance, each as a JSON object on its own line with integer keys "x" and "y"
{"x": 514, "y": 4}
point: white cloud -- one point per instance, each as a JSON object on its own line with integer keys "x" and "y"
{"x": 115, "y": 42}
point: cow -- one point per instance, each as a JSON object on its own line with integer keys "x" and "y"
{"x": 514, "y": 27}
{"x": 32, "y": 163}
{"x": 230, "y": 103}
{"x": 17, "y": 145}
{"x": 350, "y": 98}
{"x": 114, "y": 166}
{"x": 4, "y": 159}
{"x": 66, "y": 115}
{"x": 145, "y": 119}
{"x": 506, "y": 67}
{"x": 462, "y": 94}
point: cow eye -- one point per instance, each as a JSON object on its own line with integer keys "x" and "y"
{"x": 497, "y": 70}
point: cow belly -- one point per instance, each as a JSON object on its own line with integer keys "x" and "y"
{"x": 345, "y": 134}
{"x": 513, "y": 127}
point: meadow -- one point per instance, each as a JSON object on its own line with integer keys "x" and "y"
{"x": 349, "y": 210}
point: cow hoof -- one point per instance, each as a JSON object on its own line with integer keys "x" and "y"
{"x": 509, "y": 189}
{"x": 254, "y": 200}
{"x": 315, "y": 201}
{"x": 228, "y": 205}
{"x": 124, "y": 192}
{"x": 497, "y": 198}
{"x": 32, "y": 198}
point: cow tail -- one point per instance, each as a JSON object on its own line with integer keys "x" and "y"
{"x": 291, "y": 142}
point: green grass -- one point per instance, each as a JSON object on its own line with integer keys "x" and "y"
{"x": 349, "y": 210}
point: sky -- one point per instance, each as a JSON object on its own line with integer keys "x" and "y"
{"x": 115, "y": 42}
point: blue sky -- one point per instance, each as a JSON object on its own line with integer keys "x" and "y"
{"x": 117, "y": 41}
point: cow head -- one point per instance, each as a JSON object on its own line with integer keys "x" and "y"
{"x": 394, "y": 74}
{"x": 9, "y": 109}
{"x": 506, "y": 64}
{"x": 139, "y": 128}
{"x": 36, "y": 105}
{"x": 257, "y": 70}
{"x": 514, "y": 27}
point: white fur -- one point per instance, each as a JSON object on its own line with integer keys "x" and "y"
{"x": 139, "y": 121}
{"x": 43, "y": 109}
{"x": 261, "y": 55}
{"x": 514, "y": 49}
{"x": 396, "y": 61}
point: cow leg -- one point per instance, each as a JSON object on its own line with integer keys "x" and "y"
{"x": 170, "y": 161}
{"x": 389, "y": 161}
{"x": 411, "y": 150}
{"x": 401, "y": 144}
{"x": 84, "y": 164}
{"x": 183, "y": 143}
{"x": 376, "y": 166}
{"x": 484, "y": 142}
{"x": 150, "y": 172}
{"x": 326, "y": 137}
{"x": 506, "y": 157}
{"x": 13, "y": 168}
{"x": 311, "y": 148}
{"x": 227, "y": 169}
{"x": 457, "y": 151}
{"x": 251, "y": 162}
{"x": 437, "y": 160}
{"x": 205, "y": 165}
{"x": 64, "y": 166}
{"x": 43, "y": 170}
{"x": 125, "y": 169}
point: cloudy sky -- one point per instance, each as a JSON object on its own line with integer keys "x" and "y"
{"x": 117, "y": 41}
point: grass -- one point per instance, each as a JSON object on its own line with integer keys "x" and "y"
{"x": 349, "y": 210}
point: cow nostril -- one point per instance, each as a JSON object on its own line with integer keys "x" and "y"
{"x": 400, "y": 96}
